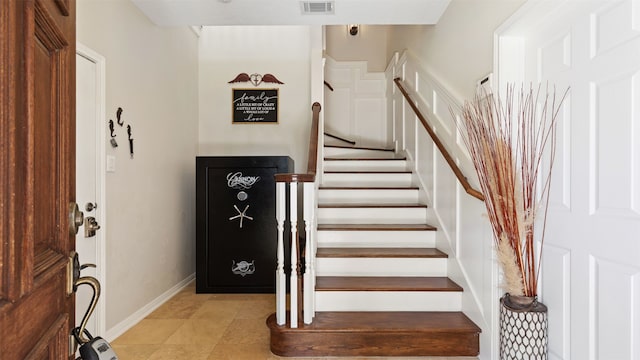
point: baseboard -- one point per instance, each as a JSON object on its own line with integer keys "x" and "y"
{"x": 137, "y": 316}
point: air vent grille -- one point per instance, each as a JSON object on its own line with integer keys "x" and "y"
{"x": 318, "y": 7}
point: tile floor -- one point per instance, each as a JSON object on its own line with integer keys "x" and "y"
{"x": 208, "y": 326}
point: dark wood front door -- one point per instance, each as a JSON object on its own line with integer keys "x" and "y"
{"x": 37, "y": 174}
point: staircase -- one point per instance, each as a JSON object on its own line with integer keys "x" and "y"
{"x": 382, "y": 287}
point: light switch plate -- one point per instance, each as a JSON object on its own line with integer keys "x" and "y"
{"x": 111, "y": 163}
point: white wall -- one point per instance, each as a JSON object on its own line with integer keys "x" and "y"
{"x": 283, "y": 51}
{"x": 458, "y": 51}
{"x": 369, "y": 45}
{"x": 152, "y": 73}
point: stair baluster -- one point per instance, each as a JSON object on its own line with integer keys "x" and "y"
{"x": 293, "y": 205}
{"x": 309, "y": 272}
{"x": 281, "y": 280}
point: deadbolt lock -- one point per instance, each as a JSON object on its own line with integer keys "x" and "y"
{"x": 76, "y": 218}
{"x": 90, "y": 226}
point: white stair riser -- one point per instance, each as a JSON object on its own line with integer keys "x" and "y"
{"x": 388, "y": 301}
{"x": 381, "y": 267}
{"x": 384, "y": 239}
{"x": 365, "y": 165}
{"x": 368, "y": 179}
{"x": 357, "y": 153}
{"x": 367, "y": 196}
{"x": 397, "y": 215}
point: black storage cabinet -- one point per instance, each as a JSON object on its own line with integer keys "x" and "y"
{"x": 236, "y": 228}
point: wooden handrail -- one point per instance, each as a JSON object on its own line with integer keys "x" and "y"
{"x": 328, "y": 85}
{"x": 452, "y": 164}
{"x": 312, "y": 162}
{"x": 340, "y": 138}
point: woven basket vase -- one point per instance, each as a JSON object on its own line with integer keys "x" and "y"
{"x": 523, "y": 328}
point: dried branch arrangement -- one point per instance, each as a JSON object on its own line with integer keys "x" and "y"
{"x": 507, "y": 142}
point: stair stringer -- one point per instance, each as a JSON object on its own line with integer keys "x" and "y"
{"x": 472, "y": 297}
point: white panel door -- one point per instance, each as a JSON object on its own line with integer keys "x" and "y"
{"x": 356, "y": 108}
{"x": 591, "y": 264}
{"x": 90, "y": 178}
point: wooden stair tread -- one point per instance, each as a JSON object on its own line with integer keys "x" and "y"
{"x": 368, "y": 188}
{"x": 363, "y": 159}
{"x": 380, "y": 253}
{"x": 387, "y": 206}
{"x": 358, "y": 147}
{"x": 367, "y": 172}
{"x": 376, "y": 227}
{"x": 363, "y": 334}
{"x": 385, "y": 283}
{"x": 389, "y": 321}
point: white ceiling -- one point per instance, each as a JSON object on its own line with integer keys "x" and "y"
{"x": 289, "y": 12}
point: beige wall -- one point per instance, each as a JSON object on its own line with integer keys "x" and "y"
{"x": 151, "y": 72}
{"x": 369, "y": 45}
{"x": 283, "y": 51}
{"x": 458, "y": 51}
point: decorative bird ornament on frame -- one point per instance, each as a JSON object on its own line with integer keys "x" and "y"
{"x": 256, "y": 79}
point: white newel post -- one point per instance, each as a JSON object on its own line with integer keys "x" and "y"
{"x": 293, "y": 195}
{"x": 309, "y": 310}
{"x": 281, "y": 280}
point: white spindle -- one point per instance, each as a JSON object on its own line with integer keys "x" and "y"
{"x": 281, "y": 280}
{"x": 293, "y": 308}
{"x": 314, "y": 249}
{"x": 308, "y": 189}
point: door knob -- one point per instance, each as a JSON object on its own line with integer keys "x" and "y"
{"x": 90, "y": 206}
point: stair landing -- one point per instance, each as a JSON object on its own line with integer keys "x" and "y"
{"x": 378, "y": 334}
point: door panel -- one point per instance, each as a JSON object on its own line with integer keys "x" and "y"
{"x": 591, "y": 262}
{"x": 37, "y": 60}
{"x": 45, "y": 177}
{"x": 89, "y": 176}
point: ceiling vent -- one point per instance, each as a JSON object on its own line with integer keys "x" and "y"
{"x": 318, "y": 7}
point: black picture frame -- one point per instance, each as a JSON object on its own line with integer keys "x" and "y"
{"x": 254, "y": 106}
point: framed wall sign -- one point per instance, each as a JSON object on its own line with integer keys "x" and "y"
{"x": 252, "y": 106}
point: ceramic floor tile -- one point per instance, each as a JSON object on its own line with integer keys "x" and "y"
{"x": 134, "y": 352}
{"x": 258, "y": 351}
{"x": 217, "y": 310}
{"x": 186, "y": 352}
{"x": 150, "y": 331}
{"x": 183, "y": 306}
{"x": 258, "y": 310}
{"x": 194, "y": 326}
{"x": 246, "y": 331}
{"x": 200, "y": 332}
